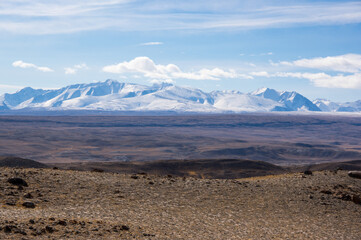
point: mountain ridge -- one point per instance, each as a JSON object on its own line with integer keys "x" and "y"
{"x": 112, "y": 95}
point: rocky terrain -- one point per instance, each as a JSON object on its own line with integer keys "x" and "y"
{"x": 64, "y": 204}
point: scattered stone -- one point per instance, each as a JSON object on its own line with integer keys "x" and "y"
{"x": 28, "y": 195}
{"x": 307, "y": 172}
{"x": 346, "y": 197}
{"x": 97, "y": 170}
{"x": 62, "y": 222}
{"x": 151, "y": 183}
{"x": 326, "y": 191}
{"x": 124, "y": 228}
{"x": 134, "y": 177}
{"x": 17, "y": 182}
{"x": 356, "y": 199}
{"x": 355, "y": 174}
{"x": 148, "y": 235}
{"x": 7, "y": 229}
{"x": 49, "y": 229}
{"x": 31, "y": 221}
{"x": 29, "y": 205}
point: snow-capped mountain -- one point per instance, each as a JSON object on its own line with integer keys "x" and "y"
{"x": 328, "y": 106}
{"x": 291, "y": 101}
{"x": 116, "y": 96}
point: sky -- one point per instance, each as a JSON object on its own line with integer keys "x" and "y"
{"x": 312, "y": 47}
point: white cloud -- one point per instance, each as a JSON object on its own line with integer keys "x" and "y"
{"x": 149, "y": 69}
{"x": 151, "y": 43}
{"x": 75, "y": 68}
{"x": 350, "y": 63}
{"x": 11, "y": 86}
{"x": 66, "y": 16}
{"x": 160, "y": 81}
{"x": 260, "y": 74}
{"x": 352, "y": 81}
{"x": 70, "y": 70}
{"x": 345, "y": 69}
{"x": 22, "y": 64}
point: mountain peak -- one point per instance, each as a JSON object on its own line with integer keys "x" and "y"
{"x": 112, "y": 95}
{"x": 267, "y": 93}
{"x": 110, "y": 81}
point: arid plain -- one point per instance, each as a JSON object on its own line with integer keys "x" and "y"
{"x": 280, "y": 139}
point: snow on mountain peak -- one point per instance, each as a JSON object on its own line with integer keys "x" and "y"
{"x": 112, "y": 95}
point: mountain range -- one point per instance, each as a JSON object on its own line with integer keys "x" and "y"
{"x": 112, "y": 95}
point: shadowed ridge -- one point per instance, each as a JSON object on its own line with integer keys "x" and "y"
{"x": 200, "y": 168}
{"x": 331, "y": 166}
{"x": 20, "y": 162}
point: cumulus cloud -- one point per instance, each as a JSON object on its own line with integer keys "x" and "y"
{"x": 326, "y": 80}
{"x": 350, "y": 63}
{"x": 22, "y": 64}
{"x": 343, "y": 71}
{"x": 151, "y": 43}
{"x": 75, "y": 68}
{"x": 149, "y": 69}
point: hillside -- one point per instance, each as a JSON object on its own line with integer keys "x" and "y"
{"x": 59, "y": 204}
{"x": 8, "y": 161}
{"x": 203, "y": 168}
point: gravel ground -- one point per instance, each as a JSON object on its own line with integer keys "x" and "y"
{"x": 94, "y": 205}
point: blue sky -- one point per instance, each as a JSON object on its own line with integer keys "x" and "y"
{"x": 312, "y": 47}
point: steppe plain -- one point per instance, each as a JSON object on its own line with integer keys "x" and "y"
{"x": 283, "y": 139}
{"x": 183, "y": 177}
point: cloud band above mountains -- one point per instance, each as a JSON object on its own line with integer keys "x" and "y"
{"x": 149, "y": 69}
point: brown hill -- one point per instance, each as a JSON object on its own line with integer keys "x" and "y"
{"x": 203, "y": 168}
{"x": 331, "y": 166}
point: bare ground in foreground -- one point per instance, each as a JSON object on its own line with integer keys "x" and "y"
{"x": 93, "y": 205}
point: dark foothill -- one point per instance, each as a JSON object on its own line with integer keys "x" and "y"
{"x": 29, "y": 205}
{"x": 355, "y": 174}
{"x": 17, "y": 182}
{"x": 97, "y": 170}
